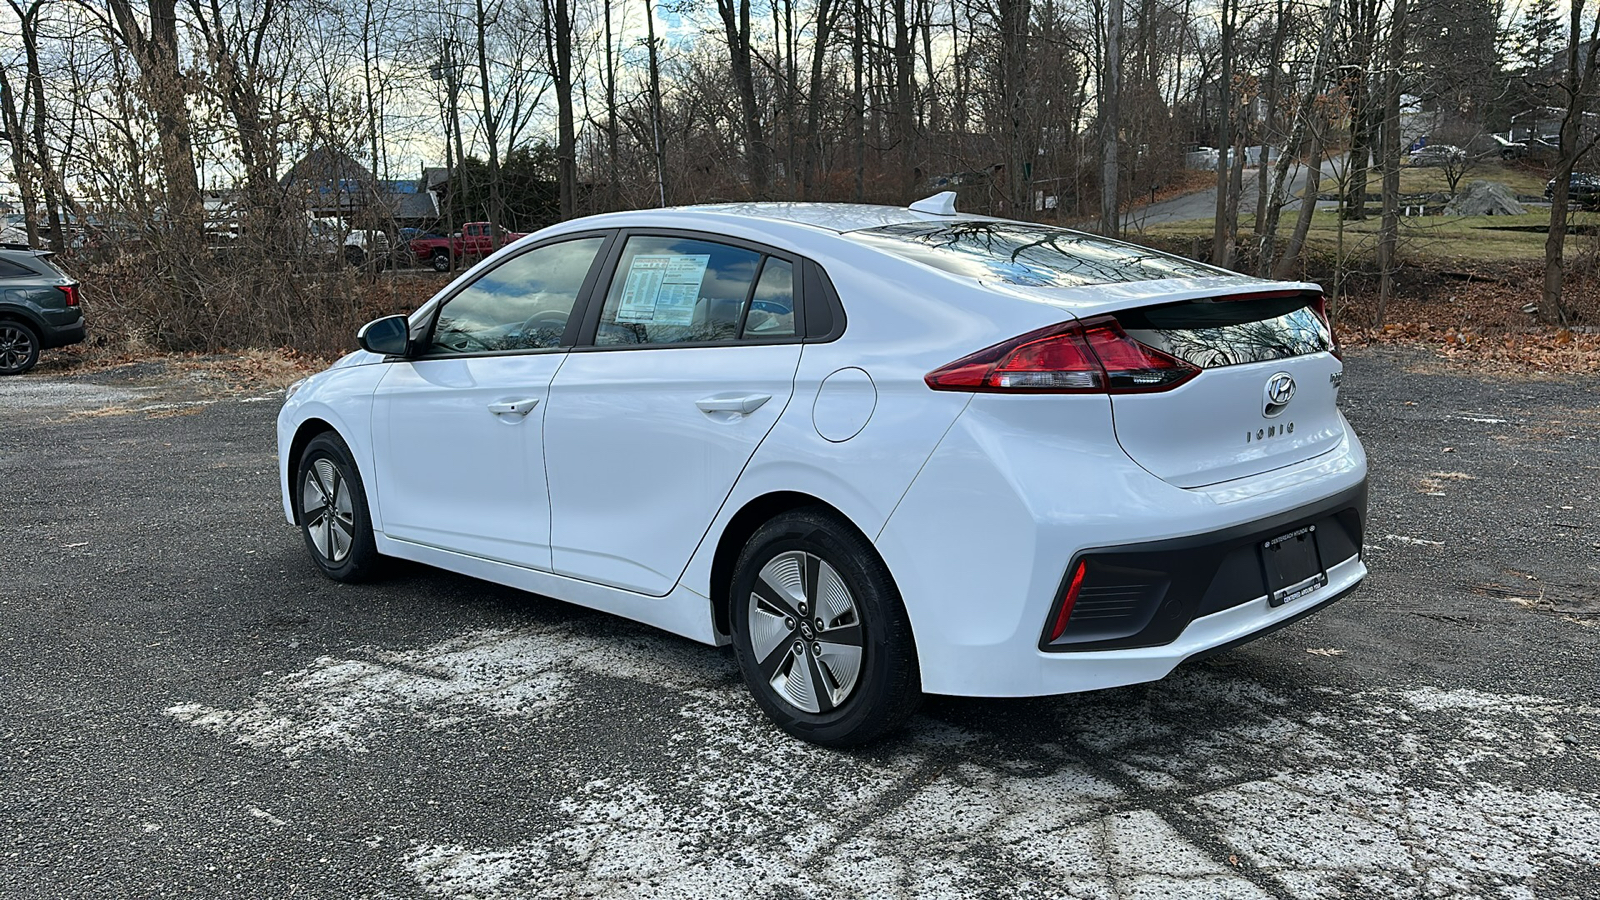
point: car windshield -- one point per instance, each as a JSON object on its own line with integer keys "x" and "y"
{"x": 1032, "y": 255}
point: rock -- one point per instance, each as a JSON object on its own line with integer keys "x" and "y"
{"x": 1485, "y": 198}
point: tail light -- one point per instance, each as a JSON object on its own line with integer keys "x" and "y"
{"x": 1094, "y": 356}
{"x": 71, "y": 290}
{"x": 1068, "y": 600}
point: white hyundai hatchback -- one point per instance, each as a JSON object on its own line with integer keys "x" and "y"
{"x": 881, "y": 451}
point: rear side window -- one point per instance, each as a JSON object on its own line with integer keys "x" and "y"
{"x": 1029, "y": 255}
{"x": 672, "y": 290}
{"x": 1227, "y": 332}
{"x": 771, "y": 313}
{"x": 9, "y": 269}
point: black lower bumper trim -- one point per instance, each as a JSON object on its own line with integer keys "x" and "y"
{"x": 62, "y": 335}
{"x": 1145, "y": 595}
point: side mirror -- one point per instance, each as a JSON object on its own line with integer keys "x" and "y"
{"x": 388, "y": 336}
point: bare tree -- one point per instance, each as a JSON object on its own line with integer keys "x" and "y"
{"x": 1576, "y": 88}
{"x": 152, "y": 41}
{"x": 758, "y": 155}
{"x": 1110, "y": 120}
{"x": 1388, "y": 241}
{"x": 1221, "y": 244}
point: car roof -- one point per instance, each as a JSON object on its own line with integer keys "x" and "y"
{"x": 836, "y": 217}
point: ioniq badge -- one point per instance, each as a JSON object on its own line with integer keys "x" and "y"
{"x": 1280, "y": 390}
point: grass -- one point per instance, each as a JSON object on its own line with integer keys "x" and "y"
{"x": 1430, "y": 180}
{"x": 1433, "y": 238}
{"x": 1522, "y": 181}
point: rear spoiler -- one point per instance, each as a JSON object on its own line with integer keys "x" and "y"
{"x": 27, "y": 249}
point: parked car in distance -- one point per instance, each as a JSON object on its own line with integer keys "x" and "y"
{"x": 472, "y": 243}
{"x": 39, "y": 308}
{"x": 880, "y": 451}
{"x": 408, "y": 234}
{"x": 334, "y": 238}
{"x": 1437, "y": 155}
{"x": 1583, "y": 190}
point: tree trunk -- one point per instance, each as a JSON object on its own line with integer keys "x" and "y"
{"x": 1111, "y": 121}
{"x": 1308, "y": 207}
{"x": 612, "y": 134}
{"x": 1577, "y": 84}
{"x": 166, "y": 95}
{"x": 814, "y": 98}
{"x": 491, "y": 123}
{"x": 858, "y": 121}
{"x": 1364, "y": 24}
{"x": 1014, "y": 17}
{"x": 1280, "y": 184}
{"x": 905, "y": 126}
{"x": 566, "y": 134}
{"x": 1263, "y": 166}
{"x": 736, "y": 25}
{"x": 1221, "y": 249}
{"x": 11, "y": 122}
{"x": 655, "y": 105}
{"x": 1390, "y": 236}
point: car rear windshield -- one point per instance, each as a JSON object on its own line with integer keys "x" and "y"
{"x": 1031, "y": 255}
{"x": 1229, "y": 331}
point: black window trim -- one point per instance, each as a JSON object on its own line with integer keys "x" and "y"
{"x": 422, "y": 330}
{"x": 803, "y": 301}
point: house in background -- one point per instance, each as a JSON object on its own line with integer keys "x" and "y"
{"x": 334, "y": 184}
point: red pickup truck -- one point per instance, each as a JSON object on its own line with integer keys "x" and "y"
{"x": 474, "y": 242}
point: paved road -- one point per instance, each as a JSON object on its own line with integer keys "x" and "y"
{"x": 186, "y": 709}
{"x": 1203, "y": 204}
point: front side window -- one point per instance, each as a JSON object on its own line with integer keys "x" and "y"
{"x": 671, "y": 290}
{"x": 1031, "y": 255}
{"x": 521, "y": 304}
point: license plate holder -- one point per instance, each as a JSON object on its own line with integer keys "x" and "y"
{"x": 1292, "y": 565}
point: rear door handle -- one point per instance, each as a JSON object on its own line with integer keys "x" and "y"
{"x": 513, "y": 407}
{"x": 743, "y": 406}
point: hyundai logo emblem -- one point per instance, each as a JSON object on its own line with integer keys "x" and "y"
{"x": 1280, "y": 390}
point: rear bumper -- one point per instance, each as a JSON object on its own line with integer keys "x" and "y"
{"x": 982, "y": 543}
{"x": 62, "y": 335}
{"x": 1147, "y": 595}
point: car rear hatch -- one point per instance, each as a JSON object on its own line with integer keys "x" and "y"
{"x": 1265, "y": 396}
{"x": 1212, "y": 376}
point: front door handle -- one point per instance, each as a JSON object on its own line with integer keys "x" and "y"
{"x": 743, "y": 406}
{"x": 517, "y": 408}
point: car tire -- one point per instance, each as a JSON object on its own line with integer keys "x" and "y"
{"x": 820, "y": 633}
{"x": 19, "y": 347}
{"x": 355, "y": 256}
{"x": 331, "y": 509}
{"x": 441, "y": 262}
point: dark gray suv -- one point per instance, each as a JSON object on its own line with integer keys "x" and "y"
{"x": 38, "y": 308}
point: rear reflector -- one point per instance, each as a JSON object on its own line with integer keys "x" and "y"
{"x": 1091, "y": 357}
{"x": 71, "y": 290}
{"x": 1068, "y": 600}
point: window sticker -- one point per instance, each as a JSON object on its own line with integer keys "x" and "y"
{"x": 662, "y": 289}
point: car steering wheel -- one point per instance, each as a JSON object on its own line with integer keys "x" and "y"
{"x": 550, "y": 323}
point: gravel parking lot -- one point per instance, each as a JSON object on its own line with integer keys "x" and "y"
{"x": 187, "y": 708}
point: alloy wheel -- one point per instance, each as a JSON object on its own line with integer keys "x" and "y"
{"x": 326, "y": 512}
{"x": 805, "y": 631}
{"x": 16, "y": 347}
